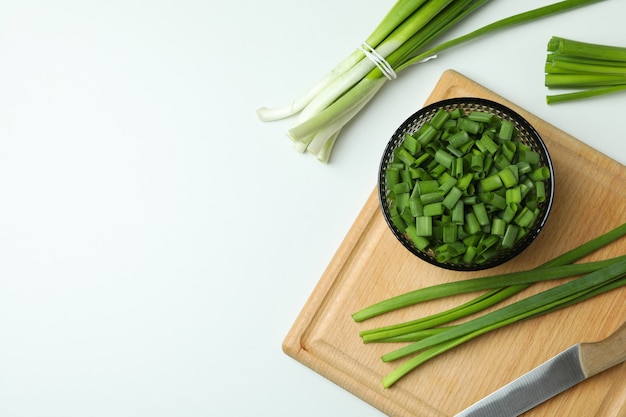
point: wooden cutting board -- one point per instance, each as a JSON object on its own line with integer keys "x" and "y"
{"x": 370, "y": 265}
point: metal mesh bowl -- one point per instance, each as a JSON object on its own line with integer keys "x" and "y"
{"x": 527, "y": 135}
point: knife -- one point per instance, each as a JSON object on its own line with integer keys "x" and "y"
{"x": 568, "y": 368}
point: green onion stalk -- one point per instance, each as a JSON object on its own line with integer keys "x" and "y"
{"x": 589, "y": 69}
{"x": 594, "y": 283}
{"x": 402, "y": 39}
{"x": 430, "y": 338}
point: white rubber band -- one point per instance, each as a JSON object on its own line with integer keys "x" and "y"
{"x": 379, "y": 60}
{"x": 427, "y": 59}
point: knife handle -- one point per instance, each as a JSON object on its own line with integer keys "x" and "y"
{"x": 599, "y": 356}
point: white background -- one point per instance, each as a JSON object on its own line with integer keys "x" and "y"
{"x": 157, "y": 241}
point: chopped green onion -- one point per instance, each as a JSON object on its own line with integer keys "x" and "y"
{"x": 470, "y": 126}
{"x": 482, "y": 117}
{"x": 444, "y": 158}
{"x": 472, "y": 225}
{"x": 450, "y": 234}
{"x": 481, "y": 214}
{"x": 401, "y": 188}
{"x": 491, "y": 183}
{"x": 411, "y": 144}
{"x": 524, "y": 217}
{"x": 527, "y": 156}
{"x": 458, "y": 213}
{"x": 446, "y": 182}
{"x": 405, "y": 156}
{"x": 459, "y": 138}
{"x": 510, "y": 236}
{"x": 452, "y": 198}
{"x": 427, "y": 186}
{"x": 439, "y": 119}
{"x": 416, "y": 207}
{"x": 494, "y": 202}
{"x": 540, "y": 191}
{"x": 477, "y": 160}
{"x": 506, "y": 130}
{"x": 424, "y": 225}
{"x": 433, "y": 209}
{"x": 487, "y": 144}
{"x": 540, "y": 173}
{"x": 458, "y": 168}
{"x": 509, "y": 176}
{"x": 433, "y": 197}
{"x": 465, "y": 182}
{"x": 420, "y": 241}
{"x": 498, "y": 227}
{"x": 513, "y": 195}
{"x": 508, "y": 150}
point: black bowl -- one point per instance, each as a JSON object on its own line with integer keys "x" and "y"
{"x": 526, "y": 134}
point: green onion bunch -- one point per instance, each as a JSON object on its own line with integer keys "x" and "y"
{"x": 589, "y": 69}
{"x": 433, "y": 335}
{"x": 403, "y": 38}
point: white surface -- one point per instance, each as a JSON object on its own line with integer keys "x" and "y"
{"x": 157, "y": 240}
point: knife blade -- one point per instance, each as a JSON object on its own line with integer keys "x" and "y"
{"x": 563, "y": 371}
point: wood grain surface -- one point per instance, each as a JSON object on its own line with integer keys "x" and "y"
{"x": 371, "y": 265}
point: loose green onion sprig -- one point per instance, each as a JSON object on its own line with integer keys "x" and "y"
{"x": 429, "y": 336}
{"x": 478, "y": 284}
{"x": 403, "y": 39}
{"x": 465, "y": 187}
{"x": 590, "y": 70}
